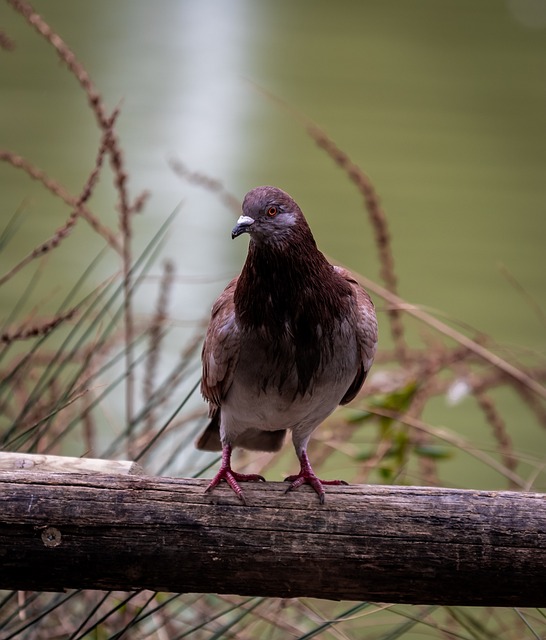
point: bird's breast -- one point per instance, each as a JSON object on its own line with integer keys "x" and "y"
{"x": 267, "y": 388}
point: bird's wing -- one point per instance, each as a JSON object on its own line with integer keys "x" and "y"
{"x": 366, "y": 333}
{"x": 221, "y": 349}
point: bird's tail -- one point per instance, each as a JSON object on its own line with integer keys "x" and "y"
{"x": 257, "y": 440}
{"x": 209, "y": 440}
{"x": 253, "y": 439}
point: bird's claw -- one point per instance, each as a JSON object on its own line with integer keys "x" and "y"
{"x": 233, "y": 478}
{"x": 306, "y": 477}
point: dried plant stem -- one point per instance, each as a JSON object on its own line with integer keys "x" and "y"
{"x": 64, "y": 231}
{"x": 139, "y": 202}
{"x": 126, "y": 231}
{"x": 6, "y": 42}
{"x": 457, "y": 441}
{"x": 527, "y": 297}
{"x": 429, "y": 366}
{"x": 427, "y": 388}
{"x": 382, "y": 448}
{"x": 125, "y": 210}
{"x": 41, "y": 329}
{"x": 156, "y": 334}
{"x": 378, "y": 220}
{"x": 120, "y": 180}
{"x": 56, "y": 189}
{"x": 513, "y": 372}
{"x": 208, "y": 183}
{"x": 500, "y": 432}
{"x": 129, "y": 332}
{"x": 43, "y": 248}
{"x": 533, "y": 403}
{"x": 92, "y": 180}
{"x": 66, "y": 55}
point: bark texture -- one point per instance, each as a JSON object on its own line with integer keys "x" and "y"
{"x": 381, "y": 543}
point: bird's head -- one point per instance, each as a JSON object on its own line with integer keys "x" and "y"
{"x": 269, "y": 215}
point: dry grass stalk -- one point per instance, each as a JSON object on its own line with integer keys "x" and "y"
{"x": 530, "y": 399}
{"x": 499, "y": 430}
{"x": 209, "y": 184}
{"x": 156, "y": 333}
{"x": 192, "y": 346}
{"x": 58, "y": 190}
{"x": 125, "y": 209}
{"x": 42, "y": 437}
{"x": 427, "y": 367}
{"x": 374, "y": 462}
{"x": 63, "y": 232}
{"x": 139, "y": 202}
{"x": 492, "y": 378}
{"x": 6, "y": 43}
{"x": 41, "y": 329}
{"x": 177, "y": 426}
{"x": 89, "y": 427}
{"x": 65, "y": 54}
{"x": 457, "y": 441}
{"x": 126, "y": 232}
{"x": 379, "y": 225}
{"x": 518, "y": 374}
{"x": 427, "y": 389}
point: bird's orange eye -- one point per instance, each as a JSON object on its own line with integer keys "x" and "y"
{"x": 272, "y": 211}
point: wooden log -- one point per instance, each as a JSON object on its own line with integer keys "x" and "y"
{"x": 381, "y": 543}
{"x": 11, "y": 461}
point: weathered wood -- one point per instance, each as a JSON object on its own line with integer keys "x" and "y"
{"x": 380, "y": 543}
{"x": 11, "y": 461}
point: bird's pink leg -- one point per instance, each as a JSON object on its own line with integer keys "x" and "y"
{"x": 231, "y": 477}
{"x": 307, "y": 476}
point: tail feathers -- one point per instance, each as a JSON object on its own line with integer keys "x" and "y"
{"x": 209, "y": 440}
{"x": 257, "y": 440}
{"x": 252, "y": 439}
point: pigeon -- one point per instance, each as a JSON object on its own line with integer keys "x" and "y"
{"x": 290, "y": 339}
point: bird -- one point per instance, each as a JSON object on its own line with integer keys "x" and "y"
{"x": 289, "y": 339}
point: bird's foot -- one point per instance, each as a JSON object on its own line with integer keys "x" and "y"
{"x": 233, "y": 478}
{"x": 307, "y": 476}
{"x": 310, "y": 478}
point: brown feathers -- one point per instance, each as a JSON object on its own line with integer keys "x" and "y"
{"x": 289, "y": 339}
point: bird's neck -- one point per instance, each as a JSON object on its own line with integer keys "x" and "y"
{"x": 284, "y": 286}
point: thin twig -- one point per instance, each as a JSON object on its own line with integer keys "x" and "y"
{"x": 6, "y": 43}
{"x": 483, "y": 353}
{"x": 66, "y": 55}
{"x": 40, "y": 329}
{"x": 64, "y": 231}
{"x": 206, "y": 182}
{"x": 500, "y": 432}
{"x": 120, "y": 178}
{"x": 457, "y": 441}
{"x": 156, "y": 334}
{"x": 58, "y": 190}
{"x": 379, "y": 224}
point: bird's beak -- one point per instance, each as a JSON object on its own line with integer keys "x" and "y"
{"x": 242, "y": 226}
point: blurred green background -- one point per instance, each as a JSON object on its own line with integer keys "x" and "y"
{"x": 443, "y": 104}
